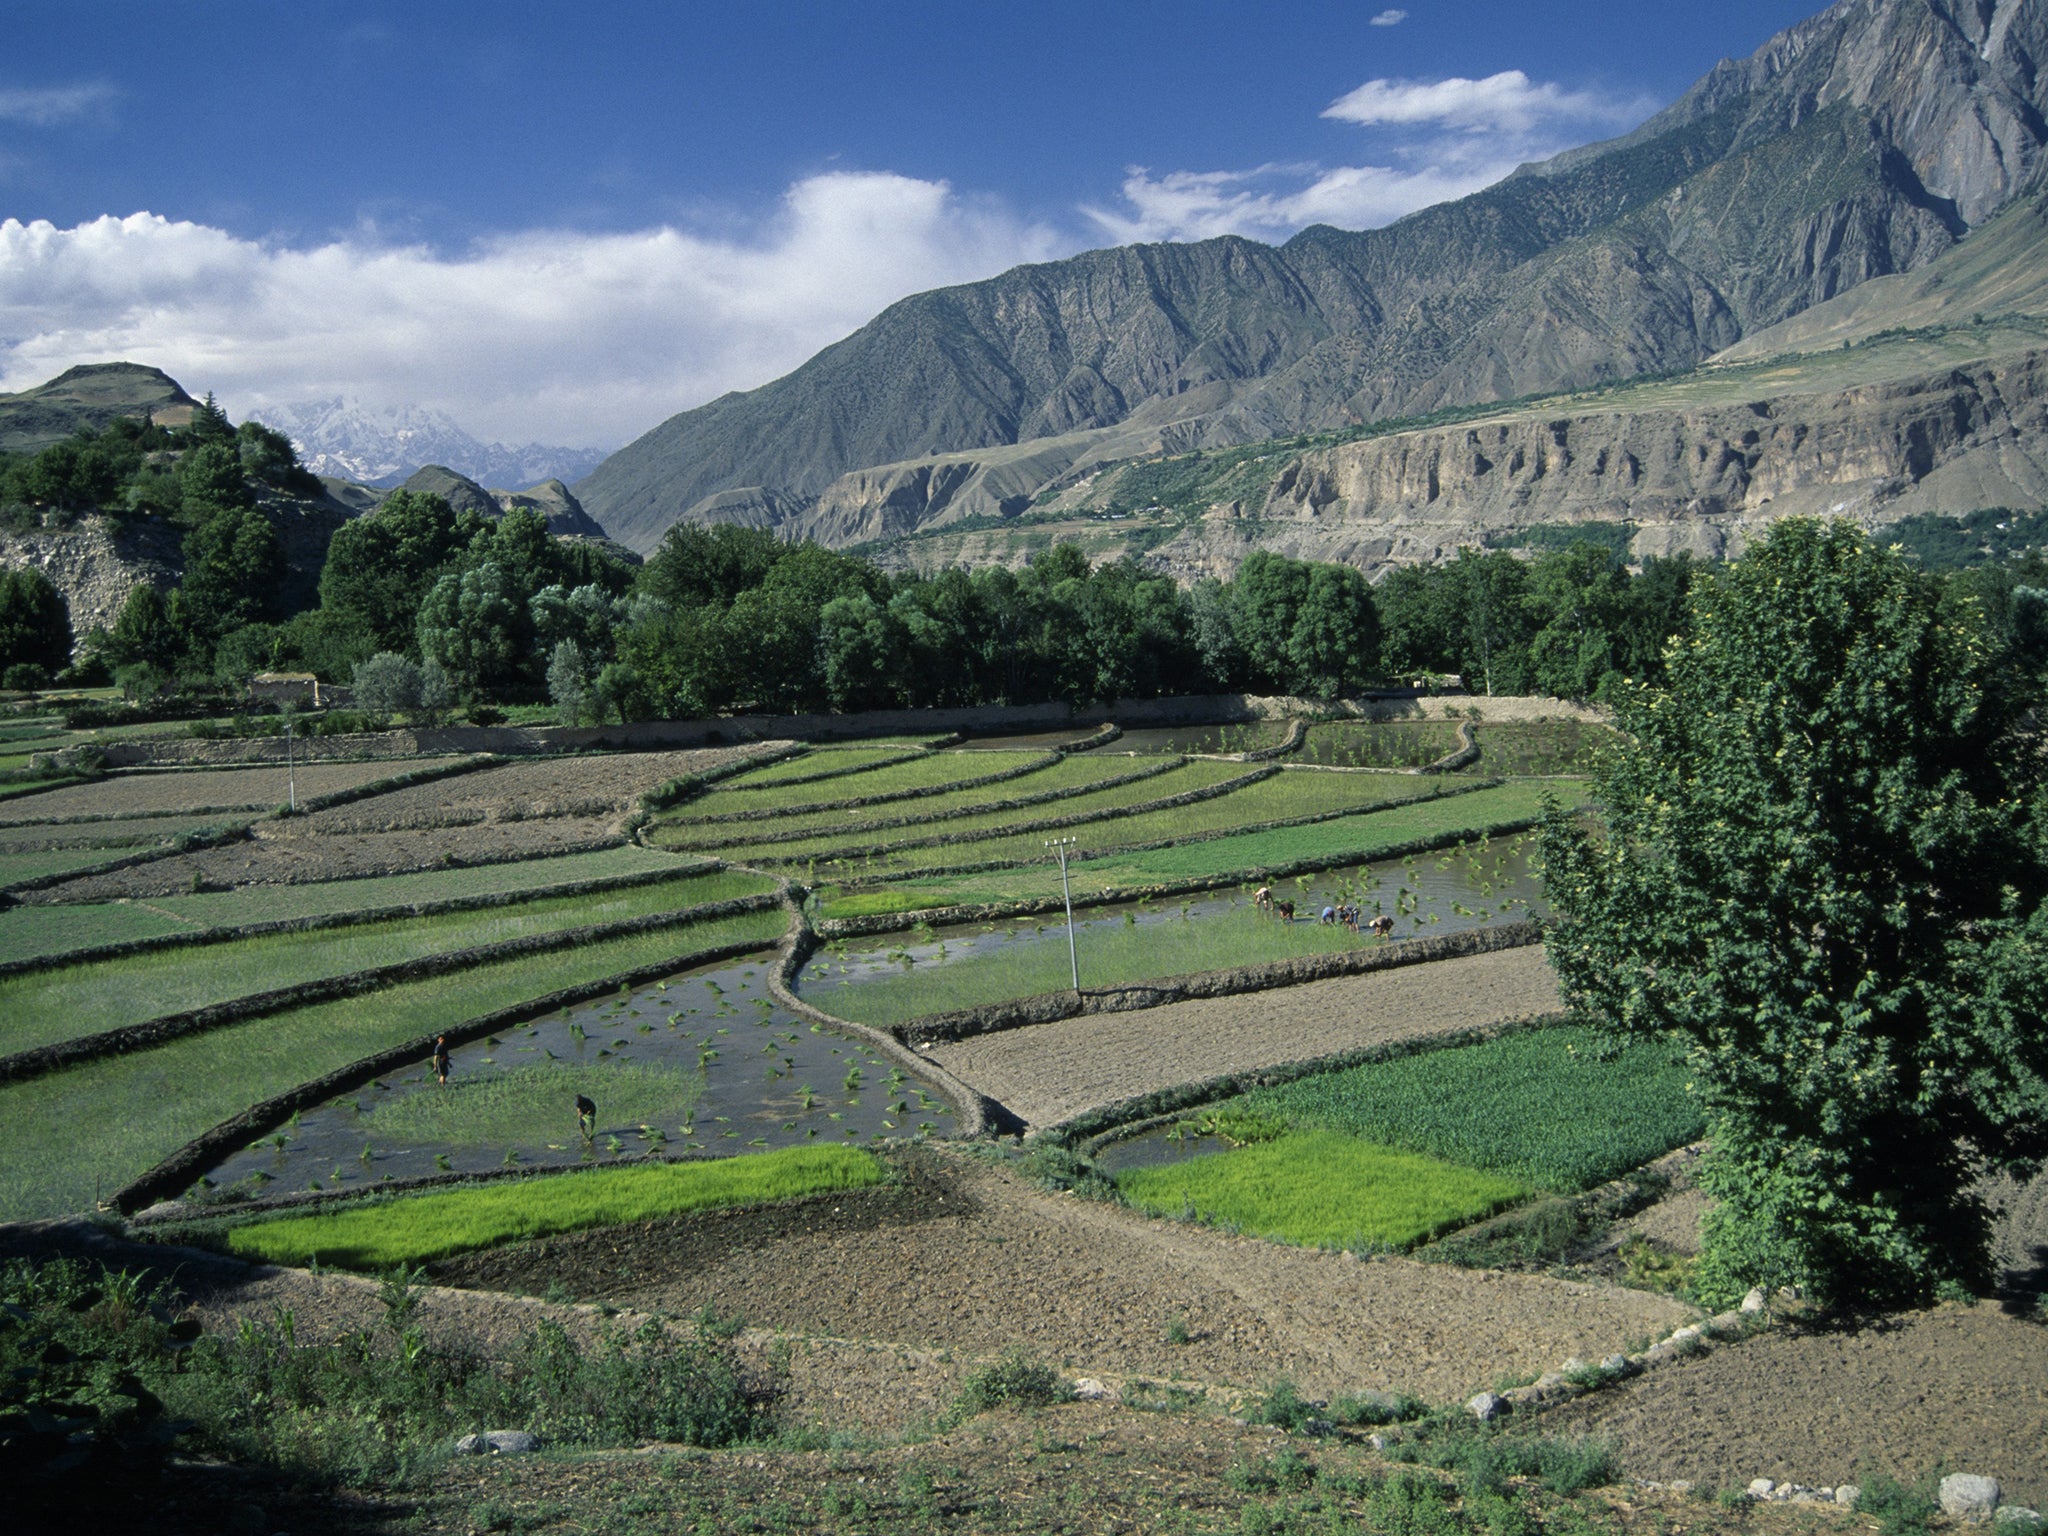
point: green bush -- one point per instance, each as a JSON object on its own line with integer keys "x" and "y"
{"x": 1015, "y": 1381}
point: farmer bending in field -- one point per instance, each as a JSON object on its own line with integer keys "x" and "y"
{"x": 586, "y": 1116}
{"x": 1262, "y": 898}
{"x": 441, "y": 1060}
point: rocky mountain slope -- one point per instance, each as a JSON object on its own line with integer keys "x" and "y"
{"x": 1859, "y": 144}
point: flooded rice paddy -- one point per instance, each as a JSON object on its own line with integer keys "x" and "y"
{"x": 701, "y": 1063}
{"x": 1471, "y": 886}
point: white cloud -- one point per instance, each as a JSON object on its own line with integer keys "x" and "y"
{"x": 1509, "y": 102}
{"x": 47, "y": 106}
{"x": 1389, "y": 19}
{"x": 545, "y": 335}
{"x": 1435, "y": 139}
{"x": 1275, "y": 201}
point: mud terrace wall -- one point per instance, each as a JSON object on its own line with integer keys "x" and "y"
{"x": 1048, "y": 1007}
{"x": 798, "y": 945}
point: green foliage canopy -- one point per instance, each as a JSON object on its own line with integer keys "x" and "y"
{"x": 1822, "y": 871}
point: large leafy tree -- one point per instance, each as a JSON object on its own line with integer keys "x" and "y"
{"x": 35, "y": 622}
{"x": 1821, "y": 872}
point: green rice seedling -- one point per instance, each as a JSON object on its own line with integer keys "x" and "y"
{"x": 1322, "y": 1188}
{"x": 524, "y": 1104}
{"x": 62, "y": 1003}
{"x": 1223, "y": 860}
{"x": 1551, "y": 1108}
{"x": 930, "y": 774}
{"x": 154, "y": 1101}
{"x": 226, "y": 909}
{"x": 417, "y": 1229}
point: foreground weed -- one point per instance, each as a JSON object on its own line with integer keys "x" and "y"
{"x": 1902, "y": 1509}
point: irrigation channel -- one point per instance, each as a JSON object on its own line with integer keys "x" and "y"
{"x": 700, "y": 1062}
{"x": 1446, "y": 892}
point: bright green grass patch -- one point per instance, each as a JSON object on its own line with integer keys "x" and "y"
{"x": 1111, "y": 955}
{"x": 1347, "y": 840}
{"x": 523, "y": 1104}
{"x": 416, "y": 1228}
{"x": 928, "y": 772}
{"x": 1323, "y": 1189}
{"x": 1538, "y": 1106}
{"x": 1179, "y": 781}
{"x": 97, "y": 1125}
{"x": 849, "y": 761}
{"x": 62, "y": 861}
{"x": 40, "y": 1007}
{"x": 1069, "y": 777}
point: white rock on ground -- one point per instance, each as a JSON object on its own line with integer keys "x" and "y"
{"x": 1966, "y": 1496}
{"x": 498, "y": 1442}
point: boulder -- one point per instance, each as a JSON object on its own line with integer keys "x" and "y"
{"x": 1848, "y": 1495}
{"x": 2018, "y": 1520}
{"x": 1487, "y": 1407}
{"x": 1966, "y": 1496}
{"x": 1754, "y": 1301}
{"x": 1761, "y": 1488}
{"x": 1617, "y": 1365}
{"x": 1089, "y": 1389}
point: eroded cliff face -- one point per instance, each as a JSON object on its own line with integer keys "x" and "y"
{"x": 1703, "y": 480}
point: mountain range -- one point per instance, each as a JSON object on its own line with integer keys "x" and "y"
{"x": 382, "y": 446}
{"x": 1863, "y": 143}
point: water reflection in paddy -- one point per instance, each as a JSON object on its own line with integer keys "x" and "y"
{"x": 1471, "y": 886}
{"x": 701, "y": 1062}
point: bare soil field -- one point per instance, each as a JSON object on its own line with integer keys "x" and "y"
{"x": 521, "y": 810}
{"x": 1962, "y": 1388}
{"x": 968, "y": 1258}
{"x": 545, "y": 789}
{"x": 1049, "y": 1073}
{"x": 166, "y": 791}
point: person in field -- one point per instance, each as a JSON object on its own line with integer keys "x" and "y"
{"x": 586, "y": 1116}
{"x": 441, "y": 1062}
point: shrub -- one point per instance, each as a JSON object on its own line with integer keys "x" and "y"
{"x": 1015, "y": 1381}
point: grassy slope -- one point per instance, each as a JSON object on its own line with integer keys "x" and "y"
{"x": 1323, "y": 1188}
{"x": 50, "y": 930}
{"x": 45, "y": 1006}
{"x": 97, "y": 1125}
{"x": 413, "y": 1229}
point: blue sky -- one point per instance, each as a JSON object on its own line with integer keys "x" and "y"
{"x": 562, "y": 223}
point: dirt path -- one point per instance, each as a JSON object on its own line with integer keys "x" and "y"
{"x": 967, "y": 1259}
{"x": 1049, "y": 1073}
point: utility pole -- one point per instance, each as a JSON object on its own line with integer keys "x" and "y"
{"x": 1060, "y": 845}
{"x": 291, "y": 772}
